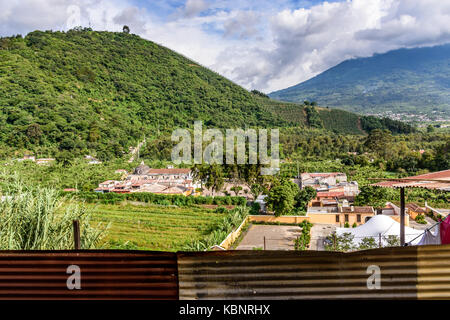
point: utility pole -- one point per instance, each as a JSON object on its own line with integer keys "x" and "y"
{"x": 402, "y": 217}
{"x": 76, "y": 234}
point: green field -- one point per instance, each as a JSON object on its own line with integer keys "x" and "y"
{"x": 153, "y": 227}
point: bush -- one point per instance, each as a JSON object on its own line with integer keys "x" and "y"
{"x": 161, "y": 199}
{"x": 255, "y": 208}
{"x": 302, "y": 242}
{"x": 420, "y": 218}
{"x": 221, "y": 210}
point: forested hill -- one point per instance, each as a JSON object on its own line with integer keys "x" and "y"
{"x": 406, "y": 80}
{"x": 84, "y": 91}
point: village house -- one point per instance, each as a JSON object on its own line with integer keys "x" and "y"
{"x": 41, "y": 161}
{"x": 145, "y": 179}
{"x": 45, "y": 161}
{"x": 321, "y": 181}
{"x": 340, "y": 215}
{"x": 92, "y": 160}
{"x": 411, "y": 209}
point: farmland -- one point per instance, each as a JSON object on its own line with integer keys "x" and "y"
{"x": 153, "y": 227}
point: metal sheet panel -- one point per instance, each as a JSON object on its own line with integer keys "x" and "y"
{"x": 104, "y": 275}
{"x": 297, "y": 275}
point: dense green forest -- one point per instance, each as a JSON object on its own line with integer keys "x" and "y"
{"x": 67, "y": 94}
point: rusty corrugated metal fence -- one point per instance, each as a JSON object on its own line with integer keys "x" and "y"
{"x": 421, "y": 272}
{"x": 104, "y": 275}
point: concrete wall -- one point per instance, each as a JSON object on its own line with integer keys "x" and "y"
{"x": 320, "y": 218}
{"x": 231, "y": 238}
{"x": 281, "y": 219}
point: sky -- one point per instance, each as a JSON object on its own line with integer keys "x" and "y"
{"x": 261, "y": 44}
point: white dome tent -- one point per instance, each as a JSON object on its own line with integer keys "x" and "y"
{"x": 383, "y": 225}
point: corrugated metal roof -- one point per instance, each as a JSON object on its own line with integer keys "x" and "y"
{"x": 437, "y": 181}
{"x": 104, "y": 275}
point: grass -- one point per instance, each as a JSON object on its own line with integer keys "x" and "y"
{"x": 153, "y": 227}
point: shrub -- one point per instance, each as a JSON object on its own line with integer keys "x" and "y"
{"x": 255, "y": 208}
{"x": 161, "y": 199}
{"x": 302, "y": 241}
{"x": 221, "y": 210}
{"x": 368, "y": 243}
{"x": 420, "y": 218}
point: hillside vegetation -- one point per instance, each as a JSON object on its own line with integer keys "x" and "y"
{"x": 86, "y": 92}
{"x": 406, "y": 80}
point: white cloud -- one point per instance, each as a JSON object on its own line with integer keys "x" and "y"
{"x": 267, "y": 45}
{"x": 305, "y": 42}
{"x": 244, "y": 24}
{"x": 191, "y": 9}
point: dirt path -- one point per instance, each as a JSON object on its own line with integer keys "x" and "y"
{"x": 136, "y": 150}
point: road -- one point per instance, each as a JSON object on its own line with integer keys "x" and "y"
{"x": 318, "y": 233}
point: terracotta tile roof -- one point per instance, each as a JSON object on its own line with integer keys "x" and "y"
{"x": 365, "y": 209}
{"x": 169, "y": 171}
{"x": 414, "y": 207}
{"x": 324, "y": 194}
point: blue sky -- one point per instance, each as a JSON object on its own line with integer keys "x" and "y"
{"x": 260, "y": 44}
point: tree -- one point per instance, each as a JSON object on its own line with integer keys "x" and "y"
{"x": 256, "y": 190}
{"x": 34, "y": 132}
{"x": 379, "y": 142}
{"x": 126, "y": 29}
{"x": 65, "y": 158}
{"x": 281, "y": 197}
{"x": 236, "y": 189}
{"x": 372, "y": 196}
{"x": 392, "y": 240}
{"x": 303, "y": 197}
{"x": 367, "y": 243}
{"x": 442, "y": 158}
{"x": 341, "y": 243}
{"x": 215, "y": 179}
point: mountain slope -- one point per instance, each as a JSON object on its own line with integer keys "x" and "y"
{"x": 102, "y": 91}
{"x": 84, "y": 92}
{"x": 405, "y": 80}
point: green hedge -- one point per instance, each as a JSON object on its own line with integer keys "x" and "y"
{"x": 302, "y": 242}
{"x": 161, "y": 199}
